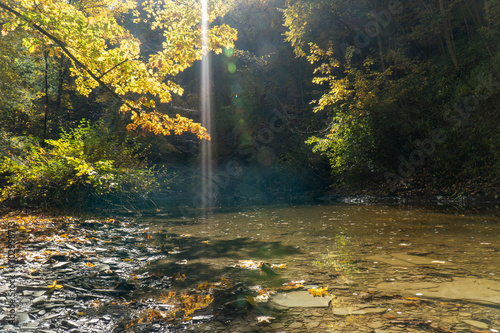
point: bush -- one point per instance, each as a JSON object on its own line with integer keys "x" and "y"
{"x": 86, "y": 166}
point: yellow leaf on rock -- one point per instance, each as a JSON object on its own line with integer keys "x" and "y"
{"x": 54, "y": 285}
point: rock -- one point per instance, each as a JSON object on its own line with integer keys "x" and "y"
{"x": 69, "y": 324}
{"x": 276, "y": 326}
{"x": 102, "y": 267}
{"x": 39, "y": 300}
{"x": 38, "y": 293}
{"x": 402, "y": 259}
{"x": 301, "y": 299}
{"x": 475, "y": 323}
{"x": 51, "y": 316}
{"x": 202, "y": 318}
{"x": 295, "y": 325}
{"x": 481, "y": 291}
{"x": 61, "y": 264}
{"x": 342, "y": 312}
{"x": 22, "y": 317}
{"x": 313, "y": 324}
{"x": 375, "y": 325}
{"x": 71, "y": 247}
{"x": 32, "y": 324}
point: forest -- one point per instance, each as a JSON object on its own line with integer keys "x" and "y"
{"x": 100, "y": 100}
{"x": 249, "y": 166}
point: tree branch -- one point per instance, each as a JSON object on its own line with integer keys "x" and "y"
{"x": 62, "y": 45}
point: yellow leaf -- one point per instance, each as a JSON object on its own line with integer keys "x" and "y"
{"x": 54, "y": 285}
{"x": 319, "y": 291}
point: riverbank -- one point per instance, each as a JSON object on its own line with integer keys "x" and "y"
{"x": 482, "y": 189}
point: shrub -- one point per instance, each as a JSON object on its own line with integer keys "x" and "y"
{"x": 86, "y": 166}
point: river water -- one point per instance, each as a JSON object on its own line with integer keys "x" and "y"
{"x": 388, "y": 268}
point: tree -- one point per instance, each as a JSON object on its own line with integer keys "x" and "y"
{"x": 388, "y": 72}
{"x": 103, "y": 53}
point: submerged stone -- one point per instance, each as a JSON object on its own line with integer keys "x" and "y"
{"x": 481, "y": 291}
{"x": 301, "y": 299}
{"x": 403, "y": 259}
{"x": 476, "y": 323}
{"x": 346, "y": 311}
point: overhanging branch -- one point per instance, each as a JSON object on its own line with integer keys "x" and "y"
{"x": 62, "y": 45}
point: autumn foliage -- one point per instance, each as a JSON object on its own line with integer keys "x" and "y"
{"x": 104, "y": 53}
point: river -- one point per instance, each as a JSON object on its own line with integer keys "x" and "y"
{"x": 388, "y": 267}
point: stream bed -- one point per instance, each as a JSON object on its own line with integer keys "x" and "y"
{"x": 388, "y": 268}
{"x": 343, "y": 267}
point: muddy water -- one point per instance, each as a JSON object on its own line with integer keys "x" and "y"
{"x": 387, "y": 268}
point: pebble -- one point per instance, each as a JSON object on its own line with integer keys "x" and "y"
{"x": 39, "y": 300}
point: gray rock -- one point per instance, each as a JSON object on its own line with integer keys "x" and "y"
{"x": 69, "y": 324}
{"x": 55, "y": 315}
{"x": 71, "y": 247}
{"x": 61, "y": 264}
{"x": 102, "y": 267}
{"x": 39, "y": 300}
{"x": 32, "y": 324}
{"x": 38, "y": 293}
{"x": 22, "y": 317}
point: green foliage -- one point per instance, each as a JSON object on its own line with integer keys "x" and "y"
{"x": 388, "y": 77}
{"x": 83, "y": 166}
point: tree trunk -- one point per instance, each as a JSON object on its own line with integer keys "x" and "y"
{"x": 60, "y": 87}
{"x": 45, "y": 118}
{"x": 379, "y": 39}
{"x": 447, "y": 32}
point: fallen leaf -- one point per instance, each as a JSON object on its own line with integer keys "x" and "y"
{"x": 54, "y": 285}
{"x": 265, "y": 319}
{"x": 319, "y": 291}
